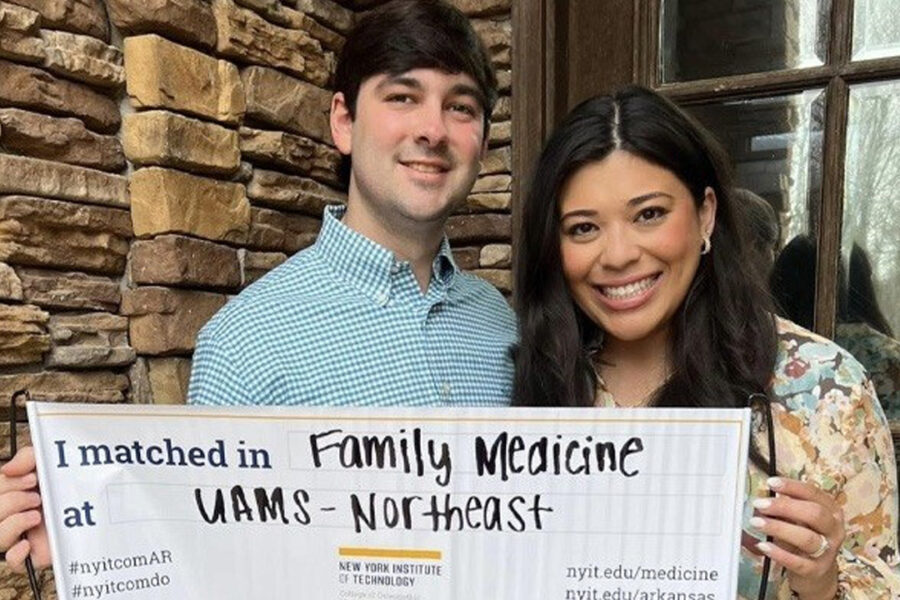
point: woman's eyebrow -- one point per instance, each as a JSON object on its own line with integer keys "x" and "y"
{"x": 648, "y": 196}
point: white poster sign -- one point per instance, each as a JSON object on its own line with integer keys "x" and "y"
{"x": 391, "y": 504}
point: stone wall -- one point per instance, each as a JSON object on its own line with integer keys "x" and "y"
{"x": 156, "y": 157}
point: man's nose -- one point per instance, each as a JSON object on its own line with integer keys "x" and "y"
{"x": 431, "y": 127}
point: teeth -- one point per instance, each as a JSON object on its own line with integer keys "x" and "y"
{"x": 627, "y": 291}
{"x": 424, "y": 168}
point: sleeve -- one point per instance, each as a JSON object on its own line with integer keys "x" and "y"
{"x": 216, "y": 379}
{"x": 868, "y": 563}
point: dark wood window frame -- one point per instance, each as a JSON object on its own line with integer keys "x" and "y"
{"x": 567, "y": 50}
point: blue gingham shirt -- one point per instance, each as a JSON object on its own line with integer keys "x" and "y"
{"x": 345, "y": 323}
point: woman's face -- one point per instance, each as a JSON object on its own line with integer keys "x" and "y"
{"x": 630, "y": 238}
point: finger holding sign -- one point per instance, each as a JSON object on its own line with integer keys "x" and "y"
{"x": 20, "y": 513}
{"x": 807, "y": 527}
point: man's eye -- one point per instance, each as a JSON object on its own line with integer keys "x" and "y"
{"x": 464, "y": 109}
{"x": 400, "y": 98}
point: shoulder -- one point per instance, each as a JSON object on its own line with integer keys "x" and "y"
{"x": 474, "y": 290}
{"x": 803, "y": 354}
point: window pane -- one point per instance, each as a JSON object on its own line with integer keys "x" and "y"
{"x": 700, "y": 39}
{"x": 776, "y": 146}
{"x": 876, "y": 29}
{"x": 869, "y": 296}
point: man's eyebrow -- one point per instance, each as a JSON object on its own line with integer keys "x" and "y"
{"x": 464, "y": 89}
{"x": 404, "y": 80}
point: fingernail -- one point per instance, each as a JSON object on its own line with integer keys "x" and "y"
{"x": 757, "y": 522}
{"x": 764, "y": 547}
{"x": 775, "y": 483}
{"x": 762, "y": 503}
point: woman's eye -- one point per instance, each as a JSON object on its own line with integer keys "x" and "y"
{"x": 580, "y": 229}
{"x": 651, "y": 214}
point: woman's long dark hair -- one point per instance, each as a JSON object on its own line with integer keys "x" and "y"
{"x": 722, "y": 347}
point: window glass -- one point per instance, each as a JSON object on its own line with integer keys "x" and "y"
{"x": 704, "y": 39}
{"x": 876, "y": 29}
{"x": 869, "y": 293}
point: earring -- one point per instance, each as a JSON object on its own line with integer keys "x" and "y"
{"x": 707, "y": 245}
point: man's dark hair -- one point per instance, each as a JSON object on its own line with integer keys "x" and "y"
{"x": 414, "y": 34}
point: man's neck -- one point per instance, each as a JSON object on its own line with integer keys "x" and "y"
{"x": 413, "y": 242}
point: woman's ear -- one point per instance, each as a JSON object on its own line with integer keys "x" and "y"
{"x": 708, "y": 212}
{"x": 341, "y": 124}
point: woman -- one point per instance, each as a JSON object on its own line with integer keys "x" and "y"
{"x": 635, "y": 286}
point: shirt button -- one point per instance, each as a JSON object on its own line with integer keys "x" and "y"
{"x": 395, "y": 268}
{"x": 382, "y": 299}
{"x": 445, "y": 390}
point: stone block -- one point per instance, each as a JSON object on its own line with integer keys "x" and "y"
{"x": 33, "y": 176}
{"x": 59, "y": 139}
{"x": 169, "y": 379}
{"x": 483, "y": 8}
{"x": 503, "y": 109}
{"x": 256, "y": 264}
{"x": 496, "y": 202}
{"x": 78, "y": 16}
{"x": 496, "y": 256}
{"x": 500, "y": 133}
{"x": 166, "y": 201}
{"x": 66, "y": 386}
{"x": 281, "y": 232}
{"x": 69, "y": 290}
{"x": 187, "y": 21}
{"x": 162, "y": 74}
{"x": 28, "y": 87}
{"x": 244, "y": 173}
{"x": 168, "y": 139}
{"x": 63, "y": 235}
{"x": 471, "y": 229}
{"x": 328, "y": 13}
{"x": 329, "y": 39}
{"x": 504, "y": 81}
{"x": 244, "y": 35}
{"x": 492, "y": 184}
{"x": 466, "y": 258}
{"x": 182, "y": 261}
{"x": 166, "y": 321}
{"x": 288, "y": 192}
{"x": 89, "y": 341}
{"x": 286, "y": 102}
{"x": 499, "y": 278}
{"x": 23, "y": 334}
{"x": 497, "y": 160}
{"x": 291, "y": 152}
{"x": 497, "y": 37}
{"x": 271, "y": 10}
{"x": 20, "y": 34}
{"x": 83, "y": 58}
{"x": 10, "y": 284}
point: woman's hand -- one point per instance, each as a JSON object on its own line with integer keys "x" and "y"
{"x": 807, "y": 526}
{"x": 20, "y": 513}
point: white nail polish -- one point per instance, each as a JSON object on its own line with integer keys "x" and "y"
{"x": 775, "y": 483}
{"x": 762, "y": 503}
{"x": 757, "y": 522}
{"x": 764, "y": 547}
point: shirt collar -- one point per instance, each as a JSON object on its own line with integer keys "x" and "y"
{"x": 368, "y": 265}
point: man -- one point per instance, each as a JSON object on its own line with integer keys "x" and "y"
{"x": 376, "y": 312}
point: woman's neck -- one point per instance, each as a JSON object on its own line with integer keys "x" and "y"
{"x": 632, "y": 371}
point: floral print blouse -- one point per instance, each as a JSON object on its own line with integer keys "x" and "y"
{"x": 829, "y": 430}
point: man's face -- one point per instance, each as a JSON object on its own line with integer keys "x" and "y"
{"x": 415, "y": 142}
